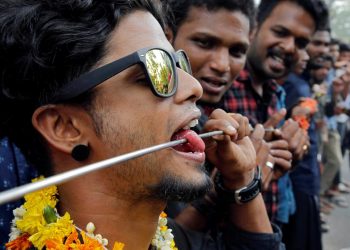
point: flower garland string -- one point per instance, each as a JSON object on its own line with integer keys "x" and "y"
{"x": 37, "y": 224}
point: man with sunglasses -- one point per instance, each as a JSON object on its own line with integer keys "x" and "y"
{"x": 89, "y": 80}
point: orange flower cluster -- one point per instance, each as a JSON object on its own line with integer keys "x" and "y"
{"x": 74, "y": 243}
{"x": 21, "y": 243}
{"x": 303, "y": 120}
{"x": 310, "y": 104}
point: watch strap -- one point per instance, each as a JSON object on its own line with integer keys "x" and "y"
{"x": 241, "y": 195}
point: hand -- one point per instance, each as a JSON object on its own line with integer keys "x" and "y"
{"x": 264, "y": 159}
{"x": 273, "y": 122}
{"x": 297, "y": 138}
{"x": 233, "y": 153}
{"x": 282, "y": 157}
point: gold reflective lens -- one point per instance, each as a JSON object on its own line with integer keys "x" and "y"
{"x": 183, "y": 61}
{"x": 160, "y": 70}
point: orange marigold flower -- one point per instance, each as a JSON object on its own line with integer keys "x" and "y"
{"x": 55, "y": 245}
{"x": 309, "y": 103}
{"x": 21, "y": 243}
{"x": 87, "y": 244}
{"x": 303, "y": 122}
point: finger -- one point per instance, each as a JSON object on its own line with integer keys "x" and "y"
{"x": 258, "y": 132}
{"x": 279, "y": 144}
{"x": 244, "y": 127}
{"x": 298, "y": 144}
{"x": 289, "y": 128}
{"x": 283, "y": 164}
{"x": 275, "y": 119}
{"x": 279, "y": 153}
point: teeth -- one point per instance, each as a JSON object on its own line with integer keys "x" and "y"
{"x": 192, "y": 124}
{"x": 278, "y": 59}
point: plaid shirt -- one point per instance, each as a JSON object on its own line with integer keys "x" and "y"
{"x": 242, "y": 98}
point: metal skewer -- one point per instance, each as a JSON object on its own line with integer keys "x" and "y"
{"x": 20, "y": 191}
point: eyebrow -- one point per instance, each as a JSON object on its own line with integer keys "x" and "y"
{"x": 217, "y": 39}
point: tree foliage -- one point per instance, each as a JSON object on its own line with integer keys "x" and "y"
{"x": 340, "y": 18}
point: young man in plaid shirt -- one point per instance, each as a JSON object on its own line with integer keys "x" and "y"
{"x": 284, "y": 29}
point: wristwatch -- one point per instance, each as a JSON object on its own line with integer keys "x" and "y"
{"x": 239, "y": 196}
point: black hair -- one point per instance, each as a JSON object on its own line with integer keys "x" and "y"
{"x": 344, "y": 47}
{"x": 316, "y": 8}
{"x": 177, "y": 10}
{"x": 44, "y": 44}
{"x": 334, "y": 41}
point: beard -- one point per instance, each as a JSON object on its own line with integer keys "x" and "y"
{"x": 174, "y": 188}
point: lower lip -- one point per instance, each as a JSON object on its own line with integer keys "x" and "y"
{"x": 211, "y": 88}
{"x": 196, "y": 157}
{"x": 277, "y": 65}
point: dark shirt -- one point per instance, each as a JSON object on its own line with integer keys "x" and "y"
{"x": 14, "y": 171}
{"x": 228, "y": 239}
{"x": 306, "y": 176}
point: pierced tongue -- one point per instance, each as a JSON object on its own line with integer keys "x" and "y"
{"x": 194, "y": 142}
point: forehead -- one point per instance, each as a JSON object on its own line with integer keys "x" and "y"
{"x": 292, "y": 17}
{"x": 322, "y": 36}
{"x": 222, "y": 24}
{"x": 135, "y": 31}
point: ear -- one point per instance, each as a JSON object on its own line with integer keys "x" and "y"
{"x": 169, "y": 34}
{"x": 62, "y": 126}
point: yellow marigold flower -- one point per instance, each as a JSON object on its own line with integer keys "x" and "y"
{"x": 46, "y": 196}
{"x": 32, "y": 221}
{"x": 118, "y": 246}
{"x": 58, "y": 230}
{"x": 21, "y": 243}
{"x": 172, "y": 245}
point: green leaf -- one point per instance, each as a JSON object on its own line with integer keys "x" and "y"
{"x": 49, "y": 215}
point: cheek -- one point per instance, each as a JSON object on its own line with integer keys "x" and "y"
{"x": 198, "y": 64}
{"x": 236, "y": 66}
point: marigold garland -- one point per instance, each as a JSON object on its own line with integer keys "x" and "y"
{"x": 309, "y": 104}
{"x": 37, "y": 224}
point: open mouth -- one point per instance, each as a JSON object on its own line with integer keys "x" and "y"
{"x": 194, "y": 147}
{"x": 213, "y": 85}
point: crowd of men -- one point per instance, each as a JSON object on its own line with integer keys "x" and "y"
{"x": 85, "y": 82}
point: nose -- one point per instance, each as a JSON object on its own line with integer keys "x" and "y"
{"x": 188, "y": 88}
{"x": 220, "y": 60}
{"x": 324, "y": 49}
{"x": 288, "y": 45}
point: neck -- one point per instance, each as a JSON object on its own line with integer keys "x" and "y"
{"x": 116, "y": 218}
{"x": 257, "y": 80}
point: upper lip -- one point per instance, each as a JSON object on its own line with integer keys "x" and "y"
{"x": 216, "y": 80}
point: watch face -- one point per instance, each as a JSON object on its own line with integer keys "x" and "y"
{"x": 239, "y": 196}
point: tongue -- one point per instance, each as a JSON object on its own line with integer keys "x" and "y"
{"x": 194, "y": 142}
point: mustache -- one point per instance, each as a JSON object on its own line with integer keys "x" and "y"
{"x": 288, "y": 59}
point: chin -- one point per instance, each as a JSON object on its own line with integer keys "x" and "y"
{"x": 177, "y": 188}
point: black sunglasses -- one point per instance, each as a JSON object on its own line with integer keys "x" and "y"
{"x": 159, "y": 65}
